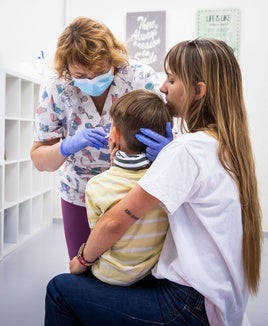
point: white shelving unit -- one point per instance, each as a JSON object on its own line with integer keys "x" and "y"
{"x": 26, "y": 195}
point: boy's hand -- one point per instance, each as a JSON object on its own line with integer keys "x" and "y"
{"x": 113, "y": 147}
{"x": 76, "y": 267}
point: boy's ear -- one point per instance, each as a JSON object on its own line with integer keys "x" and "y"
{"x": 115, "y": 134}
{"x": 200, "y": 90}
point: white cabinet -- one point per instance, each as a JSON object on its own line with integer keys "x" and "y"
{"x": 26, "y": 195}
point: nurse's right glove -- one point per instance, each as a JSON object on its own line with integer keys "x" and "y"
{"x": 154, "y": 141}
{"x": 86, "y": 137}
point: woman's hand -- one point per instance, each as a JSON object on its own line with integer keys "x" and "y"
{"x": 86, "y": 137}
{"x": 154, "y": 142}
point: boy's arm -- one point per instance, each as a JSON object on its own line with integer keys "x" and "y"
{"x": 93, "y": 214}
{"x": 76, "y": 267}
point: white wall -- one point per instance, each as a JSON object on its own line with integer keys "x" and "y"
{"x": 180, "y": 25}
{"x": 28, "y": 26}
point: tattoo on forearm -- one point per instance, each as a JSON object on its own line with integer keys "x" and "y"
{"x": 128, "y": 212}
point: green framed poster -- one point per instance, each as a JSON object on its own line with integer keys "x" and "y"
{"x": 221, "y": 24}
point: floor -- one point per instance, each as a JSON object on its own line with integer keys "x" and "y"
{"x": 25, "y": 273}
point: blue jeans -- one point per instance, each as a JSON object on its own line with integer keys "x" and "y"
{"x": 84, "y": 300}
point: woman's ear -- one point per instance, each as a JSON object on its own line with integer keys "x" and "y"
{"x": 200, "y": 90}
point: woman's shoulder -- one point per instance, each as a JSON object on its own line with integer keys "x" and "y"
{"x": 193, "y": 144}
{"x": 196, "y": 137}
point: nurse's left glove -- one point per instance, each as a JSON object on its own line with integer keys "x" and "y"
{"x": 86, "y": 137}
{"x": 154, "y": 141}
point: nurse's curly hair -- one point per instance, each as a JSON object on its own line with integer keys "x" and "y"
{"x": 88, "y": 43}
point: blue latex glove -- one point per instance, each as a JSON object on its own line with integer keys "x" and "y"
{"x": 86, "y": 137}
{"x": 154, "y": 141}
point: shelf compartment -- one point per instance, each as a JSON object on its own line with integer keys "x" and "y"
{"x": 26, "y": 135}
{"x": 2, "y": 113}
{"x": 11, "y": 183}
{"x": 11, "y": 140}
{"x": 1, "y": 188}
{"x": 47, "y": 206}
{"x": 25, "y": 180}
{"x": 11, "y": 225}
{"x": 1, "y": 231}
{"x": 27, "y": 93}
{"x": 35, "y": 98}
{"x": 25, "y": 214}
{"x": 37, "y": 211}
{"x": 48, "y": 180}
{"x": 37, "y": 180}
{"x": 12, "y": 99}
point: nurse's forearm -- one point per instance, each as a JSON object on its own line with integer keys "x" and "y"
{"x": 46, "y": 156}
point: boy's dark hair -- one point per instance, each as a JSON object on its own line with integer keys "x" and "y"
{"x": 137, "y": 109}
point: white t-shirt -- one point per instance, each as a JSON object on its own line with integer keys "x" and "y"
{"x": 203, "y": 247}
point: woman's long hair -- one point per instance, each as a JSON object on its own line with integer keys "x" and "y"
{"x": 222, "y": 112}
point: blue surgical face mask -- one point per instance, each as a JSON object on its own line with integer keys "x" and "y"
{"x": 95, "y": 86}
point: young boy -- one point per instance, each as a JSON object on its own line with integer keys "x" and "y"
{"x": 133, "y": 256}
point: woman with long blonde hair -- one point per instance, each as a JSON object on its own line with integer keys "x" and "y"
{"x": 205, "y": 179}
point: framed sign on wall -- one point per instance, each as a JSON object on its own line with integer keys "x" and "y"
{"x": 146, "y": 37}
{"x": 221, "y": 24}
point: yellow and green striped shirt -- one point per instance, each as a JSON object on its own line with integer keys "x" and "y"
{"x": 134, "y": 255}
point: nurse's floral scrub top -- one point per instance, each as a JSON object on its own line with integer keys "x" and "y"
{"x": 64, "y": 110}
